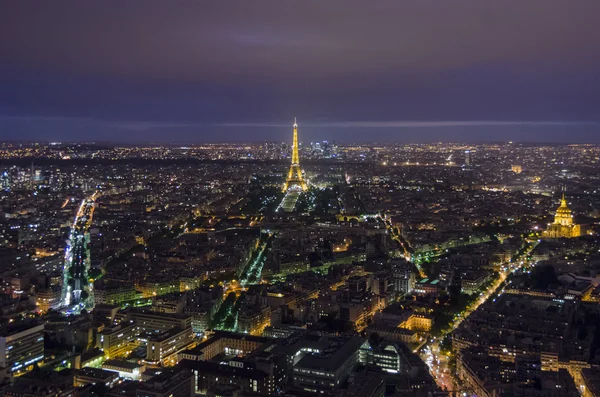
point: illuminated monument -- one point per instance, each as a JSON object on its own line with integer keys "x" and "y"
{"x": 563, "y": 226}
{"x": 295, "y": 178}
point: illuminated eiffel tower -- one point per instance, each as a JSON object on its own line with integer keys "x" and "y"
{"x": 295, "y": 178}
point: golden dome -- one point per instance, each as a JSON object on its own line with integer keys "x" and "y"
{"x": 564, "y": 208}
{"x": 563, "y": 213}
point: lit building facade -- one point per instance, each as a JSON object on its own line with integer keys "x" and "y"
{"x": 563, "y": 226}
{"x": 117, "y": 339}
{"x": 418, "y": 322}
{"x": 468, "y": 158}
{"x": 22, "y": 348}
{"x": 125, "y": 369}
{"x": 223, "y": 342}
{"x": 254, "y": 321}
{"x": 163, "y": 348}
{"x": 388, "y": 356}
{"x": 115, "y": 294}
{"x": 48, "y": 299}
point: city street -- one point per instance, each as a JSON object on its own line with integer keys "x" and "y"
{"x": 437, "y": 362}
{"x": 77, "y": 256}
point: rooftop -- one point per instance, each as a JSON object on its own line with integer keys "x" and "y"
{"x": 121, "y": 364}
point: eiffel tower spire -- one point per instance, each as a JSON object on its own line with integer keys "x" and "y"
{"x": 295, "y": 177}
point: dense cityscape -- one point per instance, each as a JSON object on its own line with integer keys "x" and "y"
{"x": 341, "y": 198}
{"x": 300, "y": 268}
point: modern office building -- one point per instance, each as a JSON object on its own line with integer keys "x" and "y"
{"x": 114, "y": 340}
{"x": 125, "y": 369}
{"x": 94, "y": 376}
{"x": 388, "y": 357}
{"x": 228, "y": 343}
{"x": 21, "y": 346}
{"x": 210, "y": 374}
{"x": 152, "y": 321}
{"x": 165, "y": 346}
{"x": 320, "y": 363}
{"x": 177, "y": 382}
{"x": 468, "y": 158}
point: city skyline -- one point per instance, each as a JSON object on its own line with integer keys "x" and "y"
{"x": 395, "y": 132}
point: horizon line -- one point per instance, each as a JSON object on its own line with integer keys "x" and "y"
{"x": 410, "y": 123}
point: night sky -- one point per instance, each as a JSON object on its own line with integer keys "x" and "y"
{"x": 351, "y": 70}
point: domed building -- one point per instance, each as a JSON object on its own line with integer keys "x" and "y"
{"x": 563, "y": 226}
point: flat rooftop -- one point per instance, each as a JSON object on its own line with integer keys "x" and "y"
{"x": 334, "y": 354}
{"x": 121, "y": 364}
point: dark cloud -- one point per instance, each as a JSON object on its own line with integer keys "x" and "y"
{"x": 193, "y": 65}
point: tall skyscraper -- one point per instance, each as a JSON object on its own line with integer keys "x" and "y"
{"x": 295, "y": 178}
{"x": 468, "y": 159}
{"x": 5, "y": 181}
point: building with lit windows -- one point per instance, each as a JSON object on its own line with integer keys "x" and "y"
{"x": 152, "y": 321}
{"x": 117, "y": 339}
{"x": 170, "y": 383}
{"x": 404, "y": 279}
{"x": 281, "y": 331}
{"x": 253, "y": 320}
{"x": 471, "y": 282}
{"x": 358, "y": 309}
{"x": 418, "y": 322}
{"x": 90, "y": 359}
{"x": 5, "y": 181}
{"x": 165, "y": 346}
{"x": 48, "y": 299}
{"x": 327, "y": 368}
{"x": 113, "y": 293}
{"x": 563, "y": 226}
{"x": 489, "y": 376}
{"x": 125, "y": 369}
{"x": 86, "y": 376}
{"x": 394, "y": 333}
{"x": 157, "y": 288}
{"x": 397, "y": 316}
{"x": 468, "y": 158}
{"x": 388, "y": 357}
{"x": 321, "y": 363}
{"x": 223, "y": 342}
{"x": 427, "y": 287}
{"x": 208, "y": 375}
{"x": 21, "y": 346}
